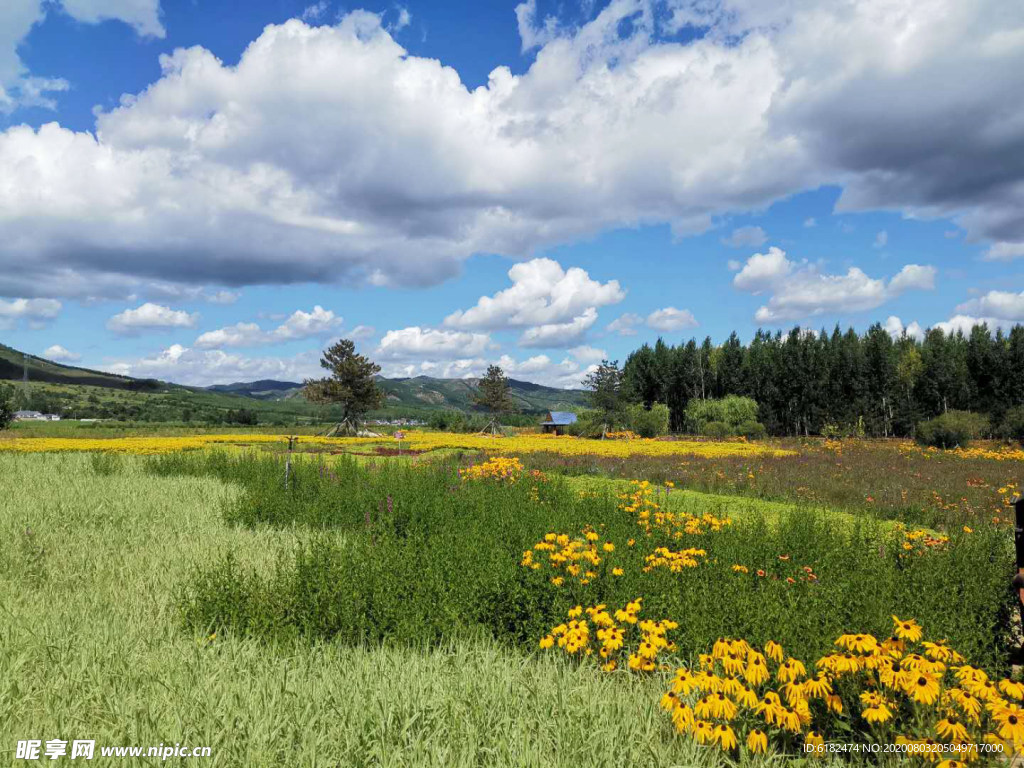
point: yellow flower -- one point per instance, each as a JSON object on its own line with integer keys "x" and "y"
{"x": 547, "y": 641}
{"x": 703, "y": 731}
{"x": 682, "y": 718}
{"x": 557, "y": 580}
{"x": 608, "y": 547}
{"x": 877, "y": 714}
{"x": 774, "y": 651}
{"x": 574, "y": 612}
{"x": 816, "y": 740}
{"x": 725, "y": 736}
{"x": 790, "y": 670}
{"x": 1012, "y": 688}
{"x": 951, "y": 729}
{"x": 818, "y": 687}
{"x": 756, "y": 671}
{"x": 924, "y": 688}
{"x": 740, "y": 569}
{"x": 757, "y": 741}
{"x": 609, "y": 666}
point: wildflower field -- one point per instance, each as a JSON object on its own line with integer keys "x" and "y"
{"x": 512, "y": 601}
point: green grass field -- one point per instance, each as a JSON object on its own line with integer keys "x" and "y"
{"x": 93, "y": 647}
{"x": 98, "y": 642}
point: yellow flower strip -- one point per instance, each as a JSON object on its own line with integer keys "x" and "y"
{"x": 423, "y": 441}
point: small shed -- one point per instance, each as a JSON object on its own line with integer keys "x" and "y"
{"x": 28, "y": 416}
{"x": 557, "y": 421}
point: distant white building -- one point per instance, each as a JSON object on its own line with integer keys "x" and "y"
{"x": 35, "y": 416}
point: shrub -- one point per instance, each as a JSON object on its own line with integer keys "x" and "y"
{"x": 590, "y": 422}
{"x": 952, "y": 429}
{"x": 752, "y": 430}
{"x": 718, "y": 430}
{"x": 1012, "y": 427}
{"x": 649, "y": 423}
{"x": 732, "y": 410}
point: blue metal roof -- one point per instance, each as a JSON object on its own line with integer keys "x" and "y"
{"x": 560, "y": 418}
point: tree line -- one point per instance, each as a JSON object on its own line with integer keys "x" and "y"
{"x": 808, "y": 382}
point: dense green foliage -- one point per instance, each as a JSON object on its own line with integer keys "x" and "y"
{"x": 732, "y": 411}
{"x": 6, "y": 406}
{"x": 1012, "y": 427}
{"x": 952, "y": 429}
{"x": 805, "y": 382}
{"x": 649, "y": 422}
{"x": 425, "y": 557}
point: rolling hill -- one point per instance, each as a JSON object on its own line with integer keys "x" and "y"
{"x": 424, "y": 392}
{"x": 72, "y": 389}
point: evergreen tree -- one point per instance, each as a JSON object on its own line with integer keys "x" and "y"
{"x": 494, "y": 393}
{"x": 352, "y": 384}
{"x": 605, "y": 385}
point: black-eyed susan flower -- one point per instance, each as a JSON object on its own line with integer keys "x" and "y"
{"x": 1011, "y": 725}
{"x": 879, "y": 714}
{"x": 1012, "y": 688}
{"x": 951, "y": 729}
{"x": 703, "y": 731}
{"x": 790, "y": 670}
{"x": 907, "y": 629}
{"x": 682, "y": 718}
{"x": 818, "y": 687}
{"x": 774, "y": 651}
{"x": 816, "y": 740}
{"x": 725, "y": 736}
{"x": 756, "y": 671}
{"x": 923, "y": 687}
{"x": 757, "y": 741}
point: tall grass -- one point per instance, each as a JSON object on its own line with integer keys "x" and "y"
{"x": 93, "y": 647}
{"x": 428, "y": 558}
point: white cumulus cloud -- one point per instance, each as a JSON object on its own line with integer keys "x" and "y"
{"x": 671, "y": 319}
{"x": 398, "y": 171}
{"x": 35, "y": 312}
{"x": 559, "y": 334}
{"x": 541, "y": 293}
{"x": 625, "y": 325}
{"x": 319, "y": 323}
{"x": 802, "y": 290}
{"x": 415, "y": 342}
{"x": 59, "y": 354}
{"x": 150, "y": 316}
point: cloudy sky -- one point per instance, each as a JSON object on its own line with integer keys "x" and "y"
{"x": 204, "y": 194}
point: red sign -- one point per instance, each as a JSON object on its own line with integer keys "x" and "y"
{"x": 399, "y": 435}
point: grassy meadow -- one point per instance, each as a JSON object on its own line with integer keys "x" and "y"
{"x": 523, "y": 605}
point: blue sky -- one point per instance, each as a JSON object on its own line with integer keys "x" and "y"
{"x": 206, "y": 194}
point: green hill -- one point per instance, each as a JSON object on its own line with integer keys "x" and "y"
{"x": 430, "y": 393}
{"x": 83, "y": 393}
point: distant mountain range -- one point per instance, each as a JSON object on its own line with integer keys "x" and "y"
{"x": 423, "y": 393}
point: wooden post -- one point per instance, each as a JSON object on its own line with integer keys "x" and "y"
{"x": 288, "y": 461}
